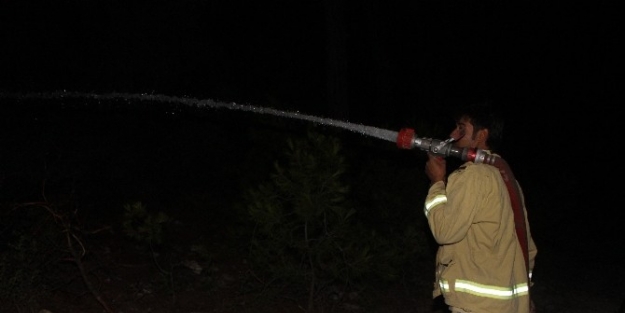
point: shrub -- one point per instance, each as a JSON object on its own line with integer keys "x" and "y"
{"x": 308, "y": 229}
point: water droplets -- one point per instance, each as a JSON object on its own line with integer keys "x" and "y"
{"x": 379, "y": 133}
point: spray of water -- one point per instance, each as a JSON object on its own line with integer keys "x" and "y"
{"x": 379, "y": 133}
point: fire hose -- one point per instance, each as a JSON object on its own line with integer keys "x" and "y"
{"x": 407, "y": 139}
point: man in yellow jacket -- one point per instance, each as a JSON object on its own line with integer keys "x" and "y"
{"x": 482, "y": 265}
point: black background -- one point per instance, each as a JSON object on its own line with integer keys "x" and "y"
{"x": 553, "y": 67}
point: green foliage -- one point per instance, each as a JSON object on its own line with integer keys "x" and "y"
{"x": 143, "y": 226}
{"x": 302, "y": 212}
{"x": 311, "y": 229}
{"x": 389, "y": 191}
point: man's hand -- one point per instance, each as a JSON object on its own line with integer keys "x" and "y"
{"x": 435, "y": 168}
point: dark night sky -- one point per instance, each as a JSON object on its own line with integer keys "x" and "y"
{"x": 429, "y": 53}
{"x": 551, "y": 66}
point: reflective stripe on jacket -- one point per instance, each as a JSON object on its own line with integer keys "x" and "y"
{"x": 480, "y": 263}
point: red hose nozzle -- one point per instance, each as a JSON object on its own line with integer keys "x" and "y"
{"x": 405, "y": 138}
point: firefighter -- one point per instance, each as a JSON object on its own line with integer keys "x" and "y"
{"x": 484, "y": 260}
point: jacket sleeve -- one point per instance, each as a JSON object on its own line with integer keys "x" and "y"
{"x": 450, "y": 209}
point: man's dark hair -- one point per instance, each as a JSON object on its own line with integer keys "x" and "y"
{"x": 484, "y": 115}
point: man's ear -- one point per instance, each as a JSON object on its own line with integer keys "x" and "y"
{"x": 482, "y": 136}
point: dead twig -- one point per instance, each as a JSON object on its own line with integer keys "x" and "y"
{"x": 75, "y": 248}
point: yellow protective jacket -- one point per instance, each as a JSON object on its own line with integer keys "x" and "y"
{"x": 480, "y": 265}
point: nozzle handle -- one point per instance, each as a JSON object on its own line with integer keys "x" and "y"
{"x": 406, "y": 139}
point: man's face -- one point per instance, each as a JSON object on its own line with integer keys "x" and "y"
{"x": 463, "y": 134}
